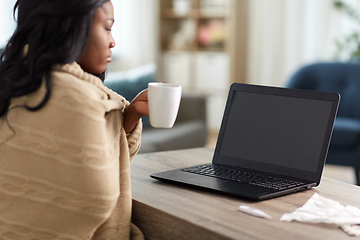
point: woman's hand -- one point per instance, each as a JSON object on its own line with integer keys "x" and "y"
{"x": 137, "y": 108}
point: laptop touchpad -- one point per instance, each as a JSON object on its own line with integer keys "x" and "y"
{"x": 204, "y": 181}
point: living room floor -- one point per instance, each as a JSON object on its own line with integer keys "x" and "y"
{"x": 344, "y": 174}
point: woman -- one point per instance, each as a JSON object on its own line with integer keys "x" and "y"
{"x": 65, "y": 139}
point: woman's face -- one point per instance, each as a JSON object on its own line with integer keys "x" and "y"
{"x": 97, "y": 52}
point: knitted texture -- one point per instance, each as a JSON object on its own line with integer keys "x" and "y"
{"x": 65, "y": 169}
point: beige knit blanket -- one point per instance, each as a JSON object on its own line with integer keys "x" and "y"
{"x": 65, "y": 169}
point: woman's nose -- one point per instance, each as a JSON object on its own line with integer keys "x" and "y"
{"x": 112, "y": 43}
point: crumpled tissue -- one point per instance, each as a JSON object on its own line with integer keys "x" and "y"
{"x": 319, "y": 209}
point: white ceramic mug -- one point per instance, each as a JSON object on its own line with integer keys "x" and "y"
{"x": 164, "y": 101}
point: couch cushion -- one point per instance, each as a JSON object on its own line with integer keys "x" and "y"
{"x": 338, "y": 77}
{"x": 346, "y": 133}
{"x": 129, "y": 83}
{"x": 182, "y": 135}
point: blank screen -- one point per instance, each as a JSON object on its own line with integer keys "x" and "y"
{"x": 277, "y": 130}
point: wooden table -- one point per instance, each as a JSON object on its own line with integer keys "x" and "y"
{"x": 166, "y": 211}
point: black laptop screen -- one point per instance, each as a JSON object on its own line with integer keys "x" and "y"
{"x": 274, "y": 130}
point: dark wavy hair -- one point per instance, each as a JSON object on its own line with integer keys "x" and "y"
{"x": 56, "y": 32}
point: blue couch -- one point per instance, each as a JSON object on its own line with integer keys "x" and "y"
{"x": 342, "y": 78}
{"x": 189, "y": 130}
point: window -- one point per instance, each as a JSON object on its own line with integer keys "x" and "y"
{"x": 7, "y": 22}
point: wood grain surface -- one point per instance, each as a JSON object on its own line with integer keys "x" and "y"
{"x": 167, "y": 211}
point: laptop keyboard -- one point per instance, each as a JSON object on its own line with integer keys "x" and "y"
{"x": 242, "y": 176}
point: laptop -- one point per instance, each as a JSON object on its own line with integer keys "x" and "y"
{"x": 272, "y": 141}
